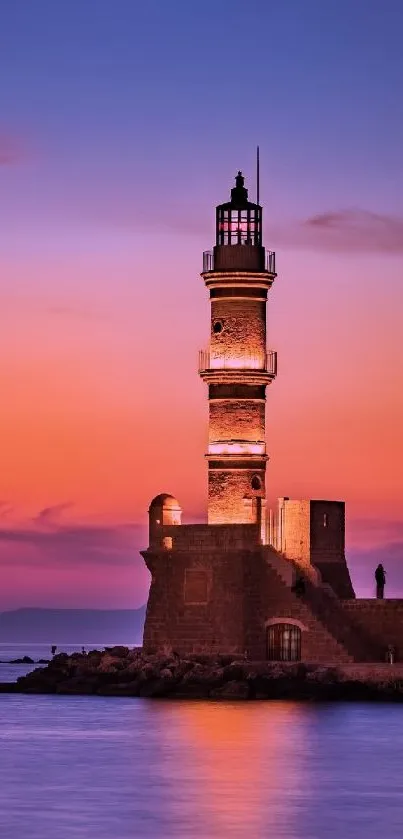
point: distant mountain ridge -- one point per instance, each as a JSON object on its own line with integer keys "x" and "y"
{"x": 72, "y": 626}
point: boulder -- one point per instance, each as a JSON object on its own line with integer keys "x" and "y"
{"x": 110, "y": 664}
{"x": 117, "y": 652}
{"x": 236, "y": 671}
{"x": 77, "y": 686}
{"x": 231, "y": 690}
{"x": 161, "y": 685}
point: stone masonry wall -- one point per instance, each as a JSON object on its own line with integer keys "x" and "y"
{"x": 312, "y": 534}
{"x": 174, "y": 615}
{"x": 381, "y": 620}
{"x": 220, "y": 600}
{"x": 295, "y": 531}
{"x": 244, "y": 328}
{"x": 269, "y": 597}
{"x": 204, "y": 537}
{"x": 227, "y": 490}
{"x": 327, "y": 527}
{"x": 236, "y": 419}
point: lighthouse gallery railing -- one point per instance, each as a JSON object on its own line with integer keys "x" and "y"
{"x": 270, "y": 261}
{"x": 267, "y": 361}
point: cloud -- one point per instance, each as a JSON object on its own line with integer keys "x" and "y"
{"x": 10, "y": 150}
{"x": 48, "y": 541}
{"x": 345, "y": 230}
{"x": 50, "y": 515}
{"x": 76, "y": 544}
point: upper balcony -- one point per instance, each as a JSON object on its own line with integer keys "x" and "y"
{"x": 239, "y": 258}
{"x": 252, "y": 368}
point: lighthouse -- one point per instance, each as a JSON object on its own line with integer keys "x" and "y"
{"x": 237, "y": 366}
{"x": 233, "y": 585}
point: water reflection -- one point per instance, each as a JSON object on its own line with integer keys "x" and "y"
{"x": 98, "y": 768}
{"x": 244, "y": 769}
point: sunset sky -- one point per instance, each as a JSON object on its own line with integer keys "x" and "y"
{"x": 122, "y": 125}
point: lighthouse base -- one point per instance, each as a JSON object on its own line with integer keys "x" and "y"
{"x": 217, "y": 589}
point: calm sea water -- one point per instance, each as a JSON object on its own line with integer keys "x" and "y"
{"x": 116, "y": 768}
{"x": 104, "y": 768}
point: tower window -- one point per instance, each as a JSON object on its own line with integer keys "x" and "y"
{"x": 325, "y": 520}
{"x": 256, "y": 482}
{"x": 218, "y": 326}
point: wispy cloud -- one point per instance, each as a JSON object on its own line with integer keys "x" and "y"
{"x": 51, "y": 515}
{"x": 72, "y": 545}
{"x": 47, "y": 539}
{"x": 345, "y": 230}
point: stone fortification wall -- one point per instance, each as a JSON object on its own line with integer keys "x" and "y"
{"x": 294, "y": 530}
{"x": 206, "y": 598}
{"x": 206, "y": 537}
{"x": 381, "y": 620}
{"x": 311, "y": 533}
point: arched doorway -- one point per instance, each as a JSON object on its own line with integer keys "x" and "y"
{"x": 283, "y": 642}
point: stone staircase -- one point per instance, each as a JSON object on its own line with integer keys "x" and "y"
{"x": 273, "y": 597}
{"x": 328, "y": 610}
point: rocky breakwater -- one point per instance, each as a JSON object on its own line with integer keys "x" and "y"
{"x": 118, "y": 671}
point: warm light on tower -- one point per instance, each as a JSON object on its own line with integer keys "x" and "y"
{"x": 237, "y": 366}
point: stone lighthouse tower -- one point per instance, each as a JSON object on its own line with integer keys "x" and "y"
{"x": 237, "y": 366}
{"x": 227, "y": 586}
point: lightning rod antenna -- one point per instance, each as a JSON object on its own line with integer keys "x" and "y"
{"x": 257, "y": 176}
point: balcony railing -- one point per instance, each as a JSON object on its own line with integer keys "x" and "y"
{"x": 269, "y": 263}
{"x": 208, "y": 261}
{"x": 266, "y": 361}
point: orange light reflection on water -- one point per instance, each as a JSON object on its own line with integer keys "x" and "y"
{"x": 244, "y": 764}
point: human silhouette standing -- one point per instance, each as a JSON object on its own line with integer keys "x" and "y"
{"x": 380, "y": 579}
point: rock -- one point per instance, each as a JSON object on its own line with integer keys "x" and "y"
{"x": 77, "y": 686}
{"x": 234, "y": 671}
{"x": 325, "y": 675}
{"x": 156, "y": 686}
{"x": 59, "y": 659}
{"x": 25, "y": 660}
{"x": 8, "y": 687}
{"x": 117, "y": 652}
{"x": 110, "y": 664}
{"x": 128, "y": 689}
{"x": 231, "y": 690}
{"x": 200, "y": 677}
{"x": 43, "y": 661}
{"x": 188, "y": 690}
